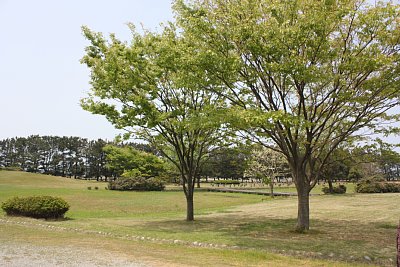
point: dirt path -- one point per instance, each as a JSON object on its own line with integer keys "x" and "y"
{"x": 17, "y": 255}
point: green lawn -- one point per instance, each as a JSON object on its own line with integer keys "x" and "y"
{"x": 348, "y": 229}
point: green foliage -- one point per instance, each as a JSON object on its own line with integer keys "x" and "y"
{"x": 128, "y": 161}
{"x": 154, "y": 89}
{"x": 227, "y": 162}
{"x": 302, "y": 75}
{"x": 136, "y": 184}
{"x": 266, "y": 164}
{"x": 354, "y": 174}
{"x": 373, "y": 186}
{"x": 46, "y": 207}
{"x": 340, "y": 189}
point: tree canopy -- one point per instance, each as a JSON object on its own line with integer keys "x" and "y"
{"x": 128, "y": 161}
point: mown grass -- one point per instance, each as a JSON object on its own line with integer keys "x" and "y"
{"x": 282, "y": 187}
{"x": 156, "y": 254}
{"x": 344, "y": 228}
{"x": 102, "y": 203}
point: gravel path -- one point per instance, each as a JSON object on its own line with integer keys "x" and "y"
{"x": 29, "y": 255}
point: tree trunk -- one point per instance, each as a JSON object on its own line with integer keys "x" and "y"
{"x": 330, "y": 185}
{"x": 198, "y": 182}
{"x": 271, "y": 188}
{"x": 190, "y": 208}
{"x": 303, "y": 210}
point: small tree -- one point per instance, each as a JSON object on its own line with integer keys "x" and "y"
{"x": 154, "y": 91}
{"x": 337, "y": 167}
{"x": 267, "y": 164}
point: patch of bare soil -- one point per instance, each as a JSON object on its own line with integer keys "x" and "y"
{"x": 17, "y": 255}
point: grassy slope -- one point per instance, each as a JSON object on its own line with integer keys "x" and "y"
{"x": 347, "y": 228}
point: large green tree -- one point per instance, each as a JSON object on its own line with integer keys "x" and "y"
{"x": 302, "y": 75}
{"x": 154, "y": 90}
{"x": 227, "y": 162}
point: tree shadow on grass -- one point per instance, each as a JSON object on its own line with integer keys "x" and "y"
{"x": 333, "y": 239}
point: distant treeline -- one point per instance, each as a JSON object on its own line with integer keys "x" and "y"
{"x": 63, "y": 156}
{"x": 82, "y": 158}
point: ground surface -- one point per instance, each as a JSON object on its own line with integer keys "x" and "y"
{"x": 108, "y": 228}
{"x": 18, "y": 254}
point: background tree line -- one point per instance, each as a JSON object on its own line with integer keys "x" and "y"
{"x": 100, "y": 159}
{"x": 62, "y": 156}
{"x": 82, "y": 158}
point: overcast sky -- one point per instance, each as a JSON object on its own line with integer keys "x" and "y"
{"x": 41, "y": 79}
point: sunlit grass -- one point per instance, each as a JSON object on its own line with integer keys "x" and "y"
{"x": 343, "y": 228}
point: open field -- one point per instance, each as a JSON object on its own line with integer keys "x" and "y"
{"x": 230, "y": 229}
{"x": 283, "y": 188}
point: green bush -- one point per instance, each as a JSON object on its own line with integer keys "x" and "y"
{"x": 368, "y": 186}
{"x": 340, "y": 189}
{"x": 136, "y": 184}
{"x": 46, "y": 207}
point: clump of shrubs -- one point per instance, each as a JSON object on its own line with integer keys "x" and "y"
{"x": 46, "y": 207}
{"x": 373, "y": 186}
{"x": 340, "y": 189}
{"x": 136, "y": 184}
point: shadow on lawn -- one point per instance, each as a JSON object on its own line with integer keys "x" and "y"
{"x": 334, "y": 239}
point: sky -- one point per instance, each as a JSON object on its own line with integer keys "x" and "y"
{"x": 41, "y": 78}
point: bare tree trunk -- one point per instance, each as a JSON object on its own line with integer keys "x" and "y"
{"x": 271, "y": 188}
{"x": 303, "y": 211}
{"x": 188, "y": 183}
{"x": 190, "y": 208}
{"x": 198, "y": 181}
{"x": 330, "y": 185}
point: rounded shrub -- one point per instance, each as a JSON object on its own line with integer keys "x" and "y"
{"x": 46, "y": 207}
{"x": 368, "y": 186}
{"x": 136, "y": 184}
{"x": 340, "y": 189}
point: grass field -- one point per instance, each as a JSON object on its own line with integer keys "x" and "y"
{"x": 249, "y": 230}
{"x": 283, "y": 188}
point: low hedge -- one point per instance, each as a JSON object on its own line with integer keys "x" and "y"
{"x": 368, "y": 186}
{"x": 136, "y": 184}
{"x": 226, "y": 182}
{"x": 340, "y": 189}
{"x": 46, "y": 207}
